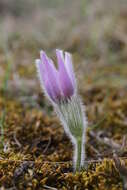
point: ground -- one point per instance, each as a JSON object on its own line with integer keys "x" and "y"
{"x": 35, "y": 152}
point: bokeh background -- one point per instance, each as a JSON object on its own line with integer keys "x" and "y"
{"x": 95, "y": 32}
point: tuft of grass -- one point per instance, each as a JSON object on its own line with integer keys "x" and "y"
{"x": 2, "y": 126}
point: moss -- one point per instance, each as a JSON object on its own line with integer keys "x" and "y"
{"x": 36, "y": 153}
{"x": 39, "y": 151}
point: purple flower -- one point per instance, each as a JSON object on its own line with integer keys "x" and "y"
{"x": 58, "y": 84}
{"x": 60, "y": 87}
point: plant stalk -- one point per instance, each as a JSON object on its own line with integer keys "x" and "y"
{"x": 79, "y": 154}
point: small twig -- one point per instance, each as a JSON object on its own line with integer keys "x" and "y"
{"x": 50, "y": 162}
{"x": 49, "y": 187}
{"x": 109, "y": 142}
{"x": 93, "y": 149}
{"x": 122, "y": 170}
{"x": 16, "y": 140}
{"x": 32, "y": 161}
{"x": 6, "y": 147}
{"x": 124, "y": 142}
{"x": 48, "y": 144}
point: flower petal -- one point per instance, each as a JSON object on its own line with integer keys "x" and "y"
{"x": 69, "y": 68}
{"x": 43, "y": 79}
{"x": 65, "y": 81}
{"x": 50, "y": 77}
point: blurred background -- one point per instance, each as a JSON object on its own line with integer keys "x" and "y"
{"x": 95, "y": 32}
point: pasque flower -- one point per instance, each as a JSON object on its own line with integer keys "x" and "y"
{"x": 60, "y": 87}
{"x": 58, "y": 84}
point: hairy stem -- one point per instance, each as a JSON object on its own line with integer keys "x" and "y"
{"x": 79, "y": 155}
